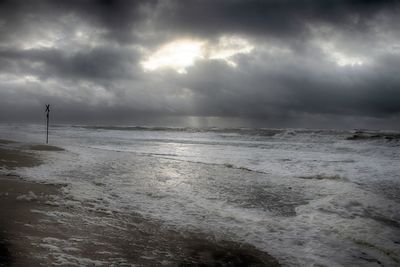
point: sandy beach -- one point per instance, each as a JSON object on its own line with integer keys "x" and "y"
{"x": 31, "y": 234}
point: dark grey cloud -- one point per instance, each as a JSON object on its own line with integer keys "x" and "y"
{"x": 116, "y": 17}
{"x": 313, "y": 63}
{"x": 103, "y": 63}
{"x": 281, "y": 18}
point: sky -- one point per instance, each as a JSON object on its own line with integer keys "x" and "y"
{"x": 202, "y": 63}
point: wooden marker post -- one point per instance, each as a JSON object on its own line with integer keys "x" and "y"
{"x": 47, "y": 115}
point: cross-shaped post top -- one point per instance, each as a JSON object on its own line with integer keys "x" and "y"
{"x": 48, "y": 108}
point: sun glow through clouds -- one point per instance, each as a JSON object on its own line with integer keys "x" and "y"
{"x": 228, "y": 47}
{"x": 181, "y": 54}
{"x": 340, "y": 58}
{"x": 177, "y": 55}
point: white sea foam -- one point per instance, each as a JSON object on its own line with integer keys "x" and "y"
{"x": 27, "y": 197}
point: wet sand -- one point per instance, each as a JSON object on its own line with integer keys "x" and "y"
{"x": 40, "y": 227}
{"x": 18, "y": 223}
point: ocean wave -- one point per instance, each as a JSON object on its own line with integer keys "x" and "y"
{"x": 244, "y": 131}
{"x": 374, "y": 135}
{"x": 322, "y": 177}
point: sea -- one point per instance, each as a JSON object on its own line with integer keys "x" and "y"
{"x": 307, "y": 197}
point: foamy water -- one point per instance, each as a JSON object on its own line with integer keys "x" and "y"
{"x": 307, "y": 197}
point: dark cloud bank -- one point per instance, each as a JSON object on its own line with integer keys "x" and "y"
{"x": 312, "y": 63}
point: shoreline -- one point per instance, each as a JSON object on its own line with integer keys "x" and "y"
{"x": 40, "y": 227}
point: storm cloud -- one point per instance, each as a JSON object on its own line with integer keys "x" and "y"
{"x": 272, "y": 63}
